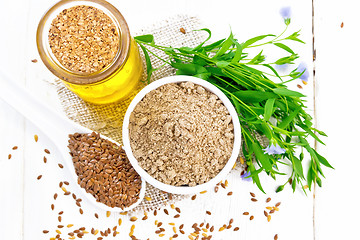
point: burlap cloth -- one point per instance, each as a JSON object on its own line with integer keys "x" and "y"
{"x": 108, "y": 119}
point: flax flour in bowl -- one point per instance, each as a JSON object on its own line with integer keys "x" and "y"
{"x": 181, "y": 134}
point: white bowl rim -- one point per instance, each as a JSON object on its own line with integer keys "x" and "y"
{"x": 183, "y": 189}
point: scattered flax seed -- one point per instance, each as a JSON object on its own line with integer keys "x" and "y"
{"x": 276, "y": 237}
{"x": 55, "y": 196}
{"x": 178, "y": 210}
{"x": 272, "y": 211}
{"x": 15, "y": 147}
{"x": 78, "y": 204}
{"x": 81, "y": 211}
{"x": 36, "y": 138}
{"x": 148, "y": 198}
{"x": 66, "y": 183}
{"x": 341, "y": 25}
{"x": 299, "y": 86}
{"x": 47, "y": 151}
{"x": 96, "y": 215}
{"x": 52, "y": 206}
{"x": 277, "y": 204}
{"x": 119, "y": 221}
{"x": 172, "y": 206}
{"x": 208, "y": 212}
{"x": 39, "y": 177}
{"x": 155, "y": 212}
{"x": 177, "y": 216}
{"x": 269, "y": 218}
{"x": 166, "y": 211}
{"x": 133, "y": 219}
{"x": 265, "y": 213}
{"x": 9, "y": 156}
{"x": 223, "y": 185}
{"x": 60, "y": 226}
{"x": 212, "y": 229}
{"x": 34, "y": 60}
{"x": 144, "y": 218}
{"x": 203, "y": 192}
{"x": 193, "y": 197}
{"x": 60, "y": 165}
{"x": 230, "y": 193}
{"x": 268, "y": 199}
{"x": 226, "y": 183}
{"x": 59, "y": 218}
{"x": 269, "y": 208}
{"x": 69, "y": 225}
{"x": 174, "y": 229}
{"x": 108, "y": 213}
{"x": 45, "y": 231}
{"x": 216, "y": 189}
{"x": 221, "y": 229}
{"x": 242, "y": 160}
{"x": 236, "y": 229}
{"x": 252, "y": 194}
{"x": 245, "y": 213}
{"x": 201, "y": 224}
{"x": 276, "y": 209}
{"x": 181, "y": 226}
{"x": 45, "y": 160}
{"x": 124, "y": 213}
{"x": 254, "y": 199}
{"x": 251, "y": 217}
{"x": 182, "y": 231}
{"x": 182, "y": 30}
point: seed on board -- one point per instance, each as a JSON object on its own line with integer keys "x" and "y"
{"x": 144, "y": 218}
{"x": 252, "y": 194}
{"x": 61, "y": 212}
{"x": 147, "y": 198}
{"x": 208, "y": 212}
{"x": 269, "y": 218}
{"x": 245, "y": 213}
{"x": 45, "y": 231}
{"x": 342, "y": 24}
{"x": 52, "y": 206}
{"x": 172, "y": 206}
{"x": 251, "y": 217}
{"x": 182, "y": 30}
{"x": 236, "y": 229}
{"x": 60, "y": 165}
{"x": 177, "y": 216}
{"x": 96, "y": 215}
{"x": 166, "y": 211}
{"x": 216, "y": 189}
{"x": 276, "y": 237}
{"x": 108, "y": 213}
{"x": 81, "y": 211}
{"x": 69, "y": 225}
{"x": 254, "y": 199}
{"x": 193, "y": 197}
{"x": 45, "y": 159}
{"x": 268, "y": 199}
{"x": 34, "y": 60}
{"x": 9, "y": 156}
{"x": 230, "y": 193}
{"x": 39, "y": 177}
{"x": 221, "y": 229}
{"x": 265, "y": 213}
{"x": 181, "y": 226}
{"x": 78, "y": 204}
{"x": 299, "y": 86}
{"x": 133, "y": 219}
{"x": 55, "y": 196}
{"x": 212, "y": 229}
{"x": 14, "y": 147}
{"x": 36, "y": 138}
{"x": 277, "y": 204}
{"x": 119, "y": 221}
{"x": 60, "y": 226}
{"x": 203, "y": 192}
{"x": 47, "y": 151}
{"x": 178, "y": 210}
{"x": 59, "y": 218}
{"x": 155, "y": 212}
{"x": 65, "y": 182}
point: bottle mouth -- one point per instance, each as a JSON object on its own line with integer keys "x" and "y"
{"x": 75, "y": 77}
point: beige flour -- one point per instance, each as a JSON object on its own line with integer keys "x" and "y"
{"x": 181, "y": 134}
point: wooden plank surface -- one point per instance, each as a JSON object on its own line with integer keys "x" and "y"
{"x": 31, "y": 207}
{"x": 337, "y": 104}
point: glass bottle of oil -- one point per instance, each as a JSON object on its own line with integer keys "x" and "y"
{"x": 113, "y": 82}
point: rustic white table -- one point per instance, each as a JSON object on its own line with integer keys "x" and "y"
{"x": 330, "y": 30}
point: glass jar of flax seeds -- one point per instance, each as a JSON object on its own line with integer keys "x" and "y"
{"x": 87, "y": 44}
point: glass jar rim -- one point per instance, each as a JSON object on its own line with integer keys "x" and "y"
{"x": 59, "y": 70}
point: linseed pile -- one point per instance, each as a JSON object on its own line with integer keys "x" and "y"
{"x": 84, "y": 39}
{"x": 181, "y": 134}
{"x": 104, "y": 170}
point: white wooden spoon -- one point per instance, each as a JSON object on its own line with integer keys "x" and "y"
{"x": 55, "y": 126}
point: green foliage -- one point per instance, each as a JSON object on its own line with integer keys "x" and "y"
{"x": 264, "y": 106}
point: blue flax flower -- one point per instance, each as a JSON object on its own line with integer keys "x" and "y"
{"x": 246, "y": 177}
{"x": 274, "y": 149}
{"x": 303, "y": 68}
{"x": 285, "y": 12}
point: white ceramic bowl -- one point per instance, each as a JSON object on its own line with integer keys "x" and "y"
{"x": 183, "y": 189}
